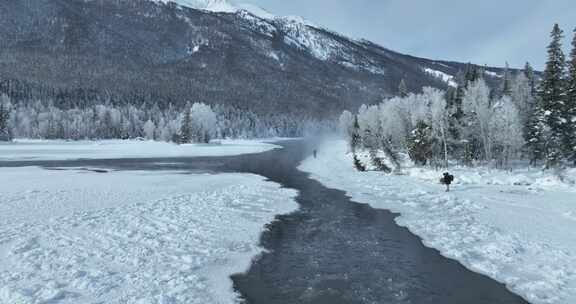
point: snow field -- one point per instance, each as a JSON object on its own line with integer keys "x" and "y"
{"x": 24, "y": 150}
{"x": 514, "y": 227}
{"x": 130, "y": 237}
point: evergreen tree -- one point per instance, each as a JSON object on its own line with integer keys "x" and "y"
{"x": 420, "y": 143}
{"x": 454, "y": 98}
{"x": 473, "y": 73}
{"x": 534, "y": 125}
{"x": 355, "y": 139}
{"x": 571, "y": 103}
{"x": 529, "y": 73}
{"x": 402, "y": 89}
{"x": 5, "y": 132}
{"x": 552, "y": 99}
{"x": 185, "y": 133}
{"x": 358, "y": 164}
{"x": 506, "y": 89}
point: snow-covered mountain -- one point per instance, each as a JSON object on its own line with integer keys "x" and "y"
{"x": 220, "y": 6}
{"x": 224, "y": 6}
{"x": 155, "y": 51}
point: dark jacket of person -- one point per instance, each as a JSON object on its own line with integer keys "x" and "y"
{"x": 447, "y": 179}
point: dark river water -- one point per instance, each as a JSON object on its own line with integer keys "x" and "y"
{"x": 332, "y": 250}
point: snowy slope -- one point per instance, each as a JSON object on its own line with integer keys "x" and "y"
{"x": 449, "y": 79}
{"x": 298, "y": 31}
{"x": 125, "y": 237}
{"x": 514, "y": 227}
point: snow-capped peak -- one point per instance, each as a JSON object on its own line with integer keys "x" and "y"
{"x": 208, "y": 5}
{"x": 225, "y": 6}
{"x": 256, "y": 11}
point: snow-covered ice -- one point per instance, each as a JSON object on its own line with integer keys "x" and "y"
{"x": 516, "y": 227}
{"x": 23, "y": 150}
{"x": 129, "y": 237}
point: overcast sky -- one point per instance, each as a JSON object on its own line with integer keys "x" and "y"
{"x": 483, "y": 32}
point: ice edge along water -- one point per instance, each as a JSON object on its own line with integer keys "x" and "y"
{"x": 513, "y": 227}
{"x": 37, "y": 150}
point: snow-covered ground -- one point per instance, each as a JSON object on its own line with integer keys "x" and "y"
{"x": 129, "y": 237}
{"x": 518, "y": 228}
{"x": 22, "y": 150}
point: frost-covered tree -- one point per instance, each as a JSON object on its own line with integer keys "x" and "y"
{"x": 439, "y": 119}
{"x": 150, "y": 130}
{"x": 552, "y": 96}
{"x": 506, "y": 130}
{"x": 34, "y": 118}
{"x": 522, "y": 97}
{"x": 346, "y": 124}
{"x": 393, "y": 121}
{"x": 204, "y": 122}
{"x": 478, "y": 113}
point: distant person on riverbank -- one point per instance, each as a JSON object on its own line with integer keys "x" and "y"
{"x": 447, "y": 180}
{"x": 315, "y": 153}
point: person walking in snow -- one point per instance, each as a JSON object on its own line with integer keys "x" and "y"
{"x": 447, "y": 179}
{"x": 315, "y": 153}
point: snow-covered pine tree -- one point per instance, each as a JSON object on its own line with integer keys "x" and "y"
{"x": 473, "y": 73}
{"x": 356, "y": 138}
{"x": 535, "y": 132}
{"x": 420, "y": 144}
{"x": 506, "y": 86}
{"x": 529, "y": 73}
{"x": 402, "y": 89}
{"x": 571, "y": 103}
{"x": 358, "y": 164}
{"x": 552, "y": 99}
{"x": 5, "y": 132}
{"x": 185, "y": 133}
{"x": 454, "y": 98}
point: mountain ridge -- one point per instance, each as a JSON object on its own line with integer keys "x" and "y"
{"x": 156, "y": 52}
